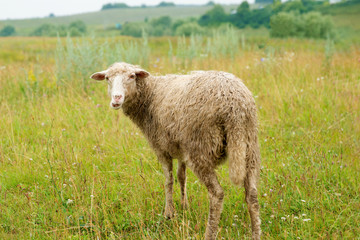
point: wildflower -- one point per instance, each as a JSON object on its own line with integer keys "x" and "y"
{"x": 262, "y": 59}
{"x": 270, "y": 222}
{"x": 306, "y": 220}
{"x": 64, "y": 185}
{"x": 46, "y": 176}
{"x": 303, "y": 214}
{"x": 63, "y": 129}
{"x": 296, "y": 217}
{"x": 281, "y": 200}
{"x": 30, "y": 159}
{"x": 98, "y": 105}
{"x": 271, "y": 190}
{"x": 42, "y": 124}
{"x": 69, "y": 201}
{"x": 283, "y": 218}
{"x": 303, "y": 200}
{"x": 91, "y": 196}
{"x": 265, "y": 195}
{"x": 272, "y": 216}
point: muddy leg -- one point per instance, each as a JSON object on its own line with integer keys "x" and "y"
{"x": 181, "y": 175}
{"x": 168, "y": 172}
{"x": 253, "y": 204}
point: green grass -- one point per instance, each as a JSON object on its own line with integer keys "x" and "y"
{"x": 71, "y": 168}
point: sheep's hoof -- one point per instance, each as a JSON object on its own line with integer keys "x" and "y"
{"x": 169, "y": 212}
{"x": 185, "y": 204}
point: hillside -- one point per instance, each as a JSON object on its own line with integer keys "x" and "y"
{"x": 113, "y": 16}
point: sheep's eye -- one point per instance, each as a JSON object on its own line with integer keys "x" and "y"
{"x": 107, "y": 78}
{"x": 132, "y": 76}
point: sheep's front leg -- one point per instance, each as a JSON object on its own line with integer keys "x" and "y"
{"x": 167, "y": 166}
{"x": 181, "y": 175}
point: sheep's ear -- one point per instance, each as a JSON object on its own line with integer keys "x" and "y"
{"x": 141, "y": 73}
{"x": 99, "y": 76}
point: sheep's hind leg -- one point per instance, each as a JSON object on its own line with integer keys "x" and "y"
{"x": 208, "y": 177}
{"x": 181, "y": 175}
{"x": 253, "y": 204}
{"x": 167, "y": 166}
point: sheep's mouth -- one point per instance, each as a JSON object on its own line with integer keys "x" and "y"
{"x": 116, "y": 106}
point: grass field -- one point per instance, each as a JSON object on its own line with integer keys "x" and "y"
{"x": 71, "y": 168}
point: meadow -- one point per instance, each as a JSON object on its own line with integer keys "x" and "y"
{"x": 72, "y": 168}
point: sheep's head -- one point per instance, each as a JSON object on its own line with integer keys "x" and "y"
{"x": 121, "y": 79}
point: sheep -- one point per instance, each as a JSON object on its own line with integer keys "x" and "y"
{"x": 200, "y": 119}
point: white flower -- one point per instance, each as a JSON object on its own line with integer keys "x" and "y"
{"x": 265, "y": 195}
{"x": 283, "y": 218}
{"x": 296, "y": 217}
{"x": 307, "y": 219}
{"x": 303, "y": 214}
{"x": 69, "y": 201}
{"x": 91, "y": 196}
{"x": 303, "y": 200}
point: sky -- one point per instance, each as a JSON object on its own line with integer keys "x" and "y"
{"x": 19, "y": 9}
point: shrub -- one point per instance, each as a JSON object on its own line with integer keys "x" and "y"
{"x": 7, "y": 31}
{"x": 317, "y": 26}
{"x": 45, "y": 30}
{"x": 133, "y": 29}
{"x": 77, "y": 28}
{"x": 310, "y": 25}
{"x": 189, "y": 28}
{"x": 283, "y": 24}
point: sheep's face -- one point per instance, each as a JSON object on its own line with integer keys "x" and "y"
{"x": 121, "y": 79}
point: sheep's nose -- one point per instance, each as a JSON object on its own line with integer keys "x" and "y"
{"x": 117, "y": 98}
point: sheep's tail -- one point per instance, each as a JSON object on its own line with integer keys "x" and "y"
{"x": 243, "y": 154}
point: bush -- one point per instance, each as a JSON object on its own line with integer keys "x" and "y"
{"x": 7, "y": 31}
{"x": 133, "y": 29}
{"x": 317, "y": 26}
{"x": 189, "y": 28}
{"x": 283, "y": 24}
{"x": 45, "y": 30}
{"x": 310, "y": 25}
{"x": 77, "y": 28}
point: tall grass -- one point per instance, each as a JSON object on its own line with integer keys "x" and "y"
{"x": 95, "y": 175}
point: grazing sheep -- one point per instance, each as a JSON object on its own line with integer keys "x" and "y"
{"x": 199, "y": 119}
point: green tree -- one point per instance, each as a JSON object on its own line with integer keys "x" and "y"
{"x": 166, "y": 4}
{"x": 243, "y": 15}
{"x": 213, "y": 17}
{"x": 114, "y": 5}
{"x": 7, "y": 31}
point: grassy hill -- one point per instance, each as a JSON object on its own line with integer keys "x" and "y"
{"x": 110, "y": 17}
